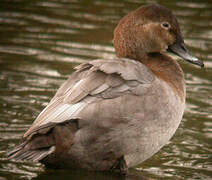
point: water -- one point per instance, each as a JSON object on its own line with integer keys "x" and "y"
{"x": 42, "y": 40}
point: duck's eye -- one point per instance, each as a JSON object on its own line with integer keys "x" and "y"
{"x": 165, "y": 25}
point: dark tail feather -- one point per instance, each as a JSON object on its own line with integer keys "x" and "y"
{"x": 16, "y": 149}
{"x": 20, "y": 153}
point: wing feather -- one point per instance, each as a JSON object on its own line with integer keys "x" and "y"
{"x": 93, "y": 82}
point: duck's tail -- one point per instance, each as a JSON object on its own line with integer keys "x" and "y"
{"x": 21, "y": 153}
{"x": 55, "y": 141}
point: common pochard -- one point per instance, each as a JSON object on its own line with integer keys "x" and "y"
{"x": 116, "y": 113}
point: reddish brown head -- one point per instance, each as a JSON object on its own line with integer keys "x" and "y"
{"x": 150, "y": 29}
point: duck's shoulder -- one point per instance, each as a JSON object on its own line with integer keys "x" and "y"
{"x": 128, "y": 69}
{"x": 110, "y": 72}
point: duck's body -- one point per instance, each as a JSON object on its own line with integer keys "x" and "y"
{"x": 112, "y": 113}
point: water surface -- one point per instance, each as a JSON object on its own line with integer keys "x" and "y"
{"x": 41, "y": 41}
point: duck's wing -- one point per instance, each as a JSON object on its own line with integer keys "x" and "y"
{"x": 92, "y": 82}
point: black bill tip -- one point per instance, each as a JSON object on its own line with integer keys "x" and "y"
{"x": 196, "y": 61}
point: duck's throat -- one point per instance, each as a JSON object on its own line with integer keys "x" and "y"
{"x": 167, "y": 69}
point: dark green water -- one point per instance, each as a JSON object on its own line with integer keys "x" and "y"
{"x": 42, "y": 40}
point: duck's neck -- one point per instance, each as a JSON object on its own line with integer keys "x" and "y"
{"x": 167, "y": 69}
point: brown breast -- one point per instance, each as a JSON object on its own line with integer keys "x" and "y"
{"x": 165, "y": 68}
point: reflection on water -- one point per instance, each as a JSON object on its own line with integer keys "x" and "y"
{"x": 41, "y": 42}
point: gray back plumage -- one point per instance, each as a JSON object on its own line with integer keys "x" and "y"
{"x": 92, "y": 82}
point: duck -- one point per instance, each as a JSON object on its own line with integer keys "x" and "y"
{"x": 113, "y": 114}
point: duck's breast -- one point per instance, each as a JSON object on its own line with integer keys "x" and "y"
{"x": 161, "y": 111}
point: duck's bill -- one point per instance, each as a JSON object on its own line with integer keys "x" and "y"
{"x": 179, "y": 49}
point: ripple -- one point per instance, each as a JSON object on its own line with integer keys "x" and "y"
{"x": 42, "y": 41}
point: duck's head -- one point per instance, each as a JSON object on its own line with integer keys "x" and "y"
{"x": 150, "y": 29}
